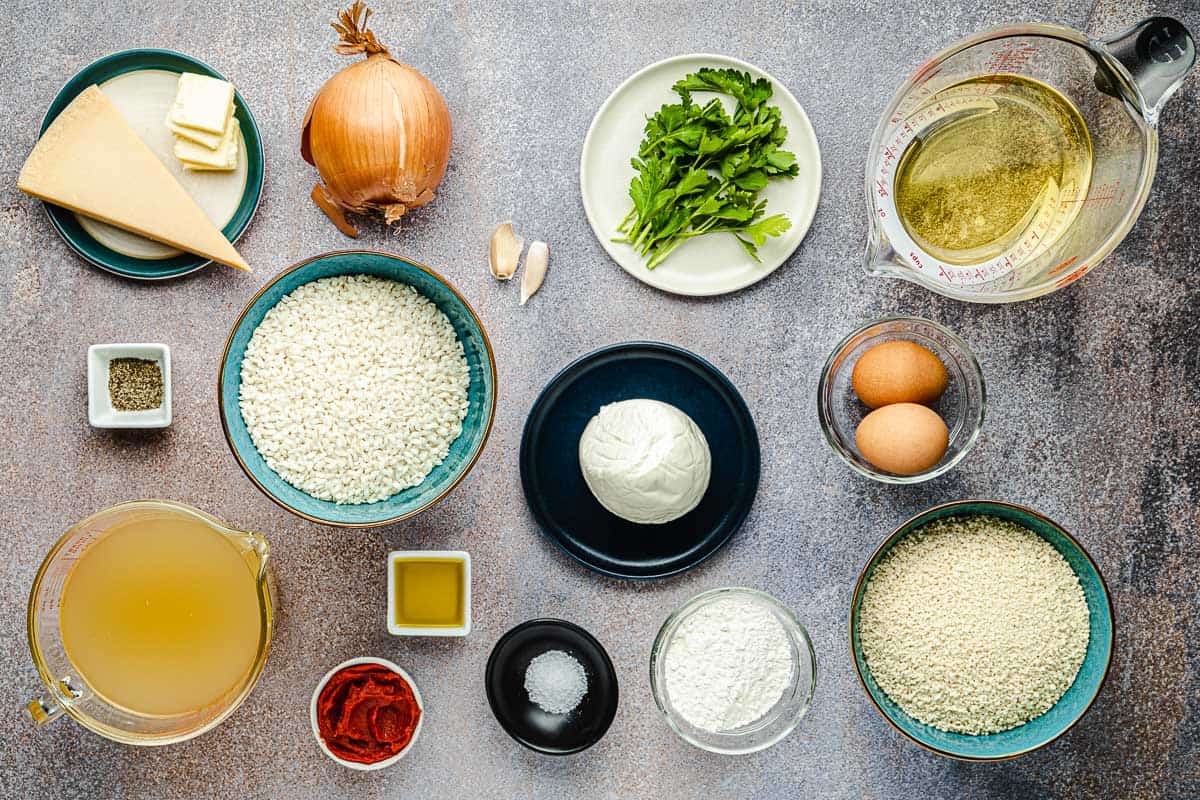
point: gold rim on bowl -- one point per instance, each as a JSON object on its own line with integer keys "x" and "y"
{"x": 487, "y": 428}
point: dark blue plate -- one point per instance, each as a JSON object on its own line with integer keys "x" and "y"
{"x": 563, "y": 505}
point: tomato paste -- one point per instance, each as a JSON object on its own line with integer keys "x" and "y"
{"x": 367, "y": 713}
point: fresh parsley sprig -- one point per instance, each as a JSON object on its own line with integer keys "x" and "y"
{"x": 700, "y": 169}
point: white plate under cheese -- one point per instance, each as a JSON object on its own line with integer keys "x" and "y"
{"x": 144, "y": 98}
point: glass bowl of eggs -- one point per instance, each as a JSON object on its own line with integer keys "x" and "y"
{"x": 901, "y": 400}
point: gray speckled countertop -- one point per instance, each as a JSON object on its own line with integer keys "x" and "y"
{"x": 1093, "y": 418}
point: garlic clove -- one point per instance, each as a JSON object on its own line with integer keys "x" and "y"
{"x": 505, "y": 251}
{"x": 537, "y": 261}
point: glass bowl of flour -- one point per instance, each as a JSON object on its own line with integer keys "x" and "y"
{"x": 733, "y": 671}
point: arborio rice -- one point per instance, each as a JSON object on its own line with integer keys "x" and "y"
{"x": 973, "y": 624}
{"x": 354, "y": 387}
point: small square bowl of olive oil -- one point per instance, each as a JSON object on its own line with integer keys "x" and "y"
{"x": 429, "y": 593}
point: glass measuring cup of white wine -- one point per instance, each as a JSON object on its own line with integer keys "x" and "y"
{"x": 1014, "y": 161}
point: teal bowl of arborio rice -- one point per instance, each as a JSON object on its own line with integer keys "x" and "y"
{"x": 357, "y": 388}
{"x": 981, "y": 630}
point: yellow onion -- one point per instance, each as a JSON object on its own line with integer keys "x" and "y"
{"x": 378, "y": 131}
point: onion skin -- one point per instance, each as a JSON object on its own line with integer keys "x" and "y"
{"x": 379, "y": 134}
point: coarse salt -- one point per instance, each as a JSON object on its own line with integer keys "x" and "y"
{"x": 555, "y": 682}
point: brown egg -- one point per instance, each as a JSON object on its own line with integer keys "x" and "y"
{"x": 898, "y": 372}
{"x": 904, "y": 438}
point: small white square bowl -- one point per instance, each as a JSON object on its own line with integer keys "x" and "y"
{"x": 101, "y": 414}
{"x": 422, "y": 555}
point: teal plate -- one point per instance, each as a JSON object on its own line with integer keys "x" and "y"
{"x": 481, "y": 394}
{"x": 1040, "y": 731}
{"x": 80, "y": 240}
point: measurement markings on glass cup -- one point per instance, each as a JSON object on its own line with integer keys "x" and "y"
{"x": 1099, "y": 196}
{"x": 1009, "y": 57}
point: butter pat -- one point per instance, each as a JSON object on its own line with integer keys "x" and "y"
{"x": 203, "y": 103}
{"x": 206, "y": 132}
{"x": 198, "y": 157}
{"x": 210, "y": 140}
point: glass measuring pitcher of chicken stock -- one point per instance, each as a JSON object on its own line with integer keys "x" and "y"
{"x": 149, "y": 622}
{"x": 1011, "y": 163}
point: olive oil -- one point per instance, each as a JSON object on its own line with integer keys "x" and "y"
{"x": 1012, "y": 166}
{"x": 429, "y": 592}
{"x": 161, "y": 616}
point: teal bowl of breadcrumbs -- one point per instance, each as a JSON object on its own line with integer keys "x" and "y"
{"x": 981, "y": 630}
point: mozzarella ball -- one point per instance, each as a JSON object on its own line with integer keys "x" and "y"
{"x": 645, "y": 461}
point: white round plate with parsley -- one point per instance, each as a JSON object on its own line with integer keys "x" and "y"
{"x": 714, "y": 263}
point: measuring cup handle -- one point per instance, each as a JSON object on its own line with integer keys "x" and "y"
{"x": 1158, "y": 52}
{"x": 44, "y": 710}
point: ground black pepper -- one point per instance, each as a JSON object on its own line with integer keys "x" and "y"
{"x": 134, "y": 384}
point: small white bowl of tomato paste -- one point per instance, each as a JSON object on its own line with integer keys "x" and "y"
{"x": 366, "y": 713}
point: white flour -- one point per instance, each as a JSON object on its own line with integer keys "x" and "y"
{"x": 727, "y": 664}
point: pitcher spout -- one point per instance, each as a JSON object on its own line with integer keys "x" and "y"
{"x": 255, "y": 549}
{"x": 881, "y": 259}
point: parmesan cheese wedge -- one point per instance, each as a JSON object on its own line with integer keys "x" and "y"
{"x": 91, "y": 161}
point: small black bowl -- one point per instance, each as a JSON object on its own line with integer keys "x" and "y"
{"x": 552, "y": 734}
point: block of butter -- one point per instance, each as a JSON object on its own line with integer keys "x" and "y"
{"x": 203, "y": 103}
{"x": 198, "y": 157}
